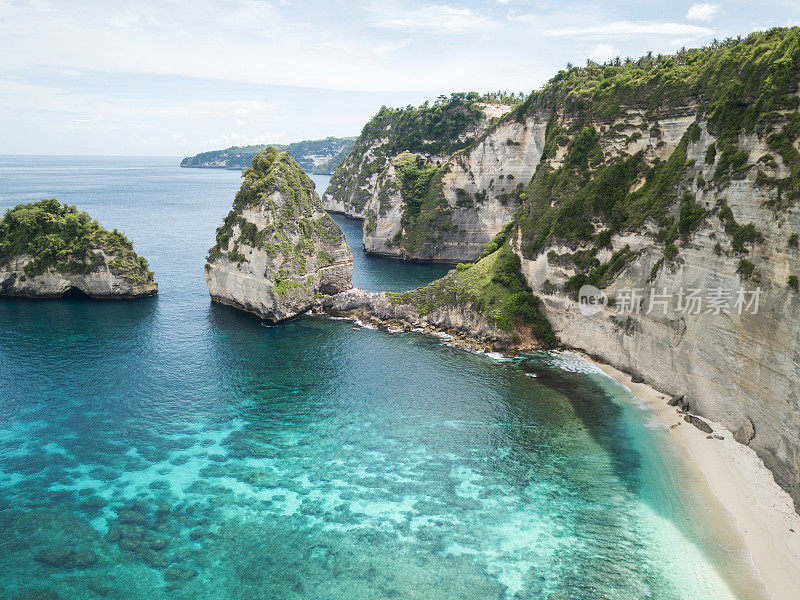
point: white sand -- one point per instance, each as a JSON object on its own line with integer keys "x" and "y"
{"x": 764, "y": 513}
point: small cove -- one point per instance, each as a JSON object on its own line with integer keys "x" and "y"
{"x": 196, "y": 452}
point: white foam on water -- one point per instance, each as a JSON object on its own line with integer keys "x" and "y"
{"x": 567, "y": 361}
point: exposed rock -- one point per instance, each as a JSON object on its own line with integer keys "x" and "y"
{"x": 89, "y": 261}
{"x": 380, "y": 309}
{"x": 699, "y": 423}
{"x": 685, "y": 217}
{"x": 676, "y": 400}
{"x": 430, "y": 132}
{"x": 660, "y": 189}
{"x": 277, "y": 249}
{"x": 486, "y": 303}
{"x": 745, "y": 433}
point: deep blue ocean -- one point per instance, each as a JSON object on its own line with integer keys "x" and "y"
{"x": 168, "y": 448}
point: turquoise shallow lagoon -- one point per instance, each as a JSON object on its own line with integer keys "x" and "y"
{"x": 169, "y": 448}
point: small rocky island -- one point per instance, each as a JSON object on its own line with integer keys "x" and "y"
{"x": 278, "y": 250}
{"x": 51, "y": 250}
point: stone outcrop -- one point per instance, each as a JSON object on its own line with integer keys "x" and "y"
{"x": 101, "y": 283}
{"x": 277, "y": 250}
{"x": 382, "y": 309}
{"x": 51, "y": 250}
{"x": 742, "y": 370}
{"x": 470, "y": 197}
{"x": 486, "y": 304}
{"x": 663, "y": 175}
{"x": 430, "y": 132}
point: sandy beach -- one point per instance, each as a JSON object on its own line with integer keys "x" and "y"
{"x": 764, "y": 513}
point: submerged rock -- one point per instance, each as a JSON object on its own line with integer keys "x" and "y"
{"x": 179, "y": 573}
{"x": 51, "y": 250}
{"x": 277, "y": 249}
{"x": 66, "y": 557}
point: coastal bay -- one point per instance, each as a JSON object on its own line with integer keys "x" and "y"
{"x": 196, "y": 451}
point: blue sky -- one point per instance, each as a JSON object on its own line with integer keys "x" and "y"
{"x": 178, "y": 77}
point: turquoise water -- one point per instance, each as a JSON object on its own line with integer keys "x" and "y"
{"x": 170, "y": 448}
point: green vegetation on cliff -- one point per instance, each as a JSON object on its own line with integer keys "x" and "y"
{"x": 426, "y": 210}
{"x": 335, "y": 150}
{"x": 493, "y": 286}
{"x": 57, "y": 235}
{"x": 437, "y": 129}
{"x": 739, "y": 82}
{"x": 735, "y": 87}
{"x": 299, "y": 212}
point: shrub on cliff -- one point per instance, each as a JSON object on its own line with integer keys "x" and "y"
{"x": 57, "y": 235}
{"x": 493, "y": 287}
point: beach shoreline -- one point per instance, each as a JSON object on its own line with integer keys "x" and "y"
{"x": 763, "y": 512}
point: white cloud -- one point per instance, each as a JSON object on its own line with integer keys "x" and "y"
{"x": 254, "y": 106}
{"x": 432, "y": 18}
{"x": 704, "y": 11}
{"x": 603, "y": 52}
{"x": 632, "y": 28}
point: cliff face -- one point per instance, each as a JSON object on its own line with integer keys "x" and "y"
{"x": 465, "y": 201}
{"x": 277, "y": 249}
{"x": 735, "y": 365}
{"x": 433, "y": 132}
{"x": 666, "y": 177}
{"x": 49, "y": 249}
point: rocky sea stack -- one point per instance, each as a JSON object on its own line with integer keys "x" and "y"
{"x": 49, "y": 250}
{"x": 278, "y": 249}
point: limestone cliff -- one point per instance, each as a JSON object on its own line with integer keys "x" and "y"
{"x": 277, "y": 249}
{"x": 664, "y": 175}
{"x": 429, "y": 131}
{"x": 49, "y": 250}
{"x": 688, "y": 186}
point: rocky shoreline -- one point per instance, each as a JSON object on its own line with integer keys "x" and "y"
{"x": 468, "y": 328}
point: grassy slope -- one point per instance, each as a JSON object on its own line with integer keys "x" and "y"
{"x": 493, "y": 287}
